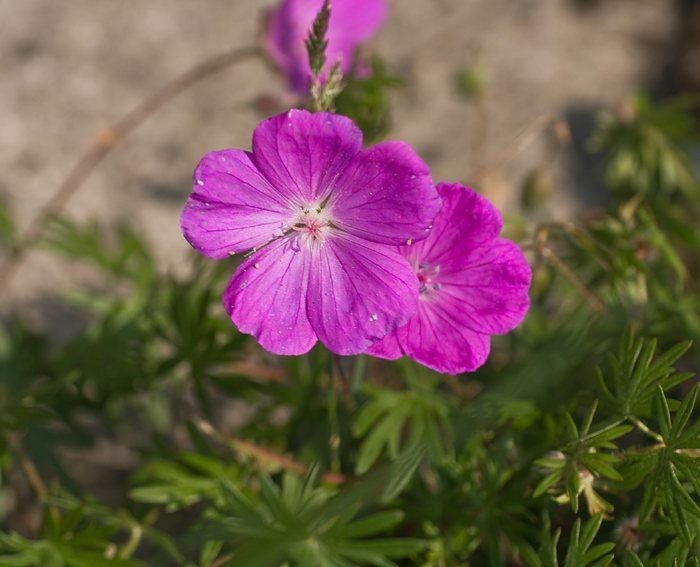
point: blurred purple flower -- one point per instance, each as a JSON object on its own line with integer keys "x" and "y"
{"x": 351, "y": 23}
{"x": 473, "y": 284}
{"x": 323, "y": 218}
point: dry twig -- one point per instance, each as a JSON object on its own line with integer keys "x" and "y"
{"x": 265, "y": 455}
{"x": 105, "y": 141}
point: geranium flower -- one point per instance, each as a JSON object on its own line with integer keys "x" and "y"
{"x": 351, "y": 23}
{"x": 323, "y": 218}
{"x": 472, "y": 284}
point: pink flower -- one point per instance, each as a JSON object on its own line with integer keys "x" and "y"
{"x": 472, "y": 284}
{"x": 351, "y": 23}
{"x": 323, "y": 218}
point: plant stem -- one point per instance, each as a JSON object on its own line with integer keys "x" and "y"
{"x": 645, "y": 429}
{"x": 132, "y": 543}
{"x": 332, "y": 401}
{"x": 263, "y": 454}
{"x": 27, "y": 465}
{"x": 359, "y": 370}
{"x": 222, "y": 560}
{"x": 548, "y": 254}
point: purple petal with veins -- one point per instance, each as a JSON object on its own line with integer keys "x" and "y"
{"x": 471, "y": 283}
{"x": 322, "y": 217}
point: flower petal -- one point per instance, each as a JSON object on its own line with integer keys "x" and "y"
{"x": 478, "y": 286}
{"x": 487, "y": 277}
{"x": 351, "y": 22}
{"x": 232, "y": 207}
{"x": 267, "y": 294}
{"x": 390, "y": 346}
{"x": 302, "y": 154}
{"x": 488, "y": 286}
{"x": 439, "y": 340}
{"x": 386, "y": 195}
{"x": 466, "y": 221}
{"x": 284, "y": 42}
{"x": 358, "y": 292}
{"x": 354, "y": 21}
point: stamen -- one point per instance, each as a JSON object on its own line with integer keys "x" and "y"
{"x": 427, "y": 276}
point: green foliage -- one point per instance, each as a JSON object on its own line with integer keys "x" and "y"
{"x": 77, "y": 534}
{"x": 177, "y": 484}
{"x": 576, "y": 445}
{"x": 419, "y": 412}
{"x": 648, "y": 147}
{"x": 636, "y": 376}
{"x": 306, "y": 524}
{"x": 366, "y": 99}
{"x": 580, "y": 553}
{"x": 585, "y": 455}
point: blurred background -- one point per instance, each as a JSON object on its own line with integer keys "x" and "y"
{"x": 112, "y": 357}
{"x": 483, "y": 81}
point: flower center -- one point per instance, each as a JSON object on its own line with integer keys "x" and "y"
{"x": 312, "y": 224}
{"x": 427, "y": 276}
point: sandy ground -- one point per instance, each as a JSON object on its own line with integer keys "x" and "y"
{"x": 71, "y": 67}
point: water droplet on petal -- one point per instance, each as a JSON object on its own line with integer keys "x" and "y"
{"x": 373, "y": 317}
{"x": 200, "y": 182}
{"x": 244, "y": 285}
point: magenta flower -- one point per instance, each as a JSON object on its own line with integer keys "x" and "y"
{"x": 323, "y": 218}
{"x": 351, "y": 23}
{"x": 473, "y": 284}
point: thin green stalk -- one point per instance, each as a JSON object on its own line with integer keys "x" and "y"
{"x": 645, "y": 429}
{"x": 332, "y": 402}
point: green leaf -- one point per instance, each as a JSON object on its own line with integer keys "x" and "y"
{"x": 683, "y": 414}
{"x": 663, "y": 413}
{"x": 374, "y": 524}
{"x": 632, "y": 559}
{"x": 402, "y": 471}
